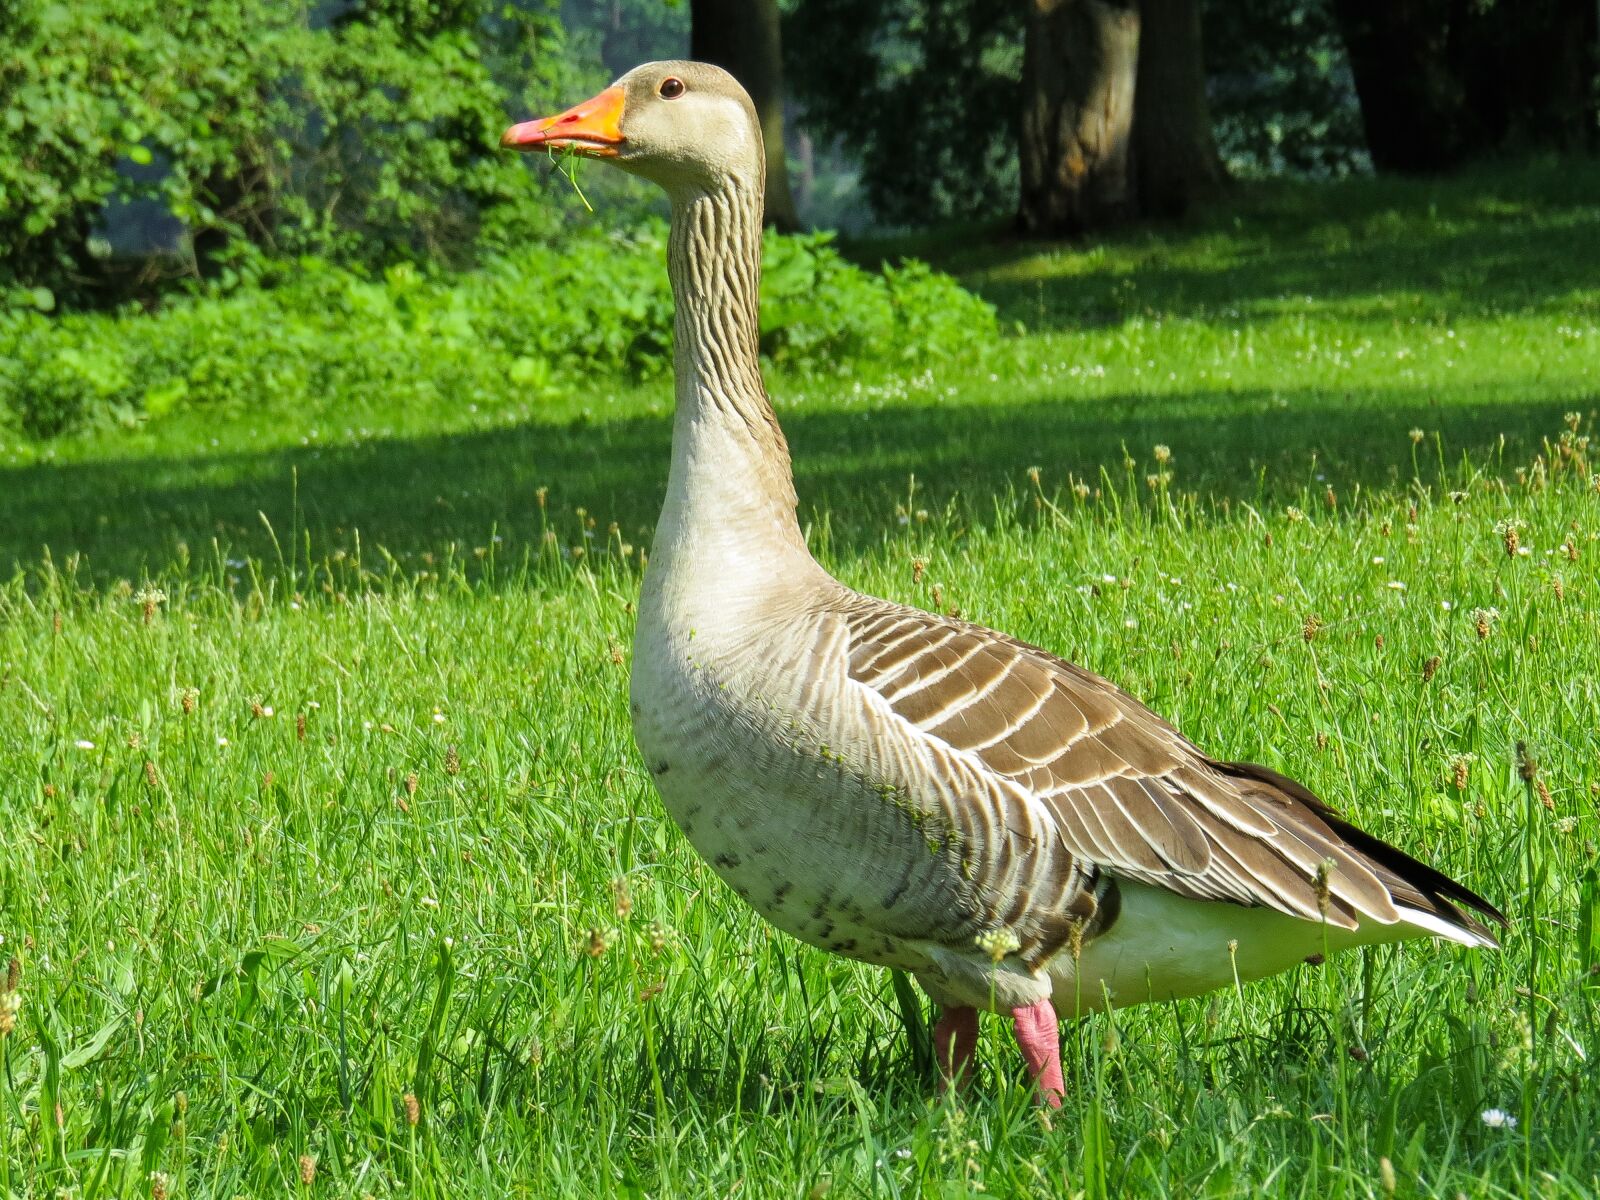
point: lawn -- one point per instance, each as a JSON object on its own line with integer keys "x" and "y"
{"x": 328, "y": 869}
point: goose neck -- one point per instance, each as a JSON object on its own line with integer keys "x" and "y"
{"x": 730, "y": 495}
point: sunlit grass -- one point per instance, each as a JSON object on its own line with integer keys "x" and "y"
{"x": 325, "y": 855}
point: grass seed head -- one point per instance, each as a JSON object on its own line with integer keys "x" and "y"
{"x": 1325, "y": 871}
{"x": 308, "y": 1169}
{"x": 997, "y": 943}
{"x": 1483, "y": 620}
{"x": 1527, "y": 765}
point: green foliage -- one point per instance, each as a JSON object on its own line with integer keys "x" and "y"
{"x": 1279, "y": 86}
{"x": 368, "y": 139}
{"x": 924, "y": 91}
{"x": 535, "y": 321}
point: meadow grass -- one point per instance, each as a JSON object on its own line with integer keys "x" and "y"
{"x": 328, "y": 867}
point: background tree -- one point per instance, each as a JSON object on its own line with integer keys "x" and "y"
{"x": 1080, "y": 66}
{"x": 744, "y": 37}
{"x": 931, "y": 94}
{"x": 1444, "y": 81}
{"x": 1175, "y": 155}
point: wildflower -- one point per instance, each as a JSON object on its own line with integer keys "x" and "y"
{"x": 308, "y": 1169}
{"x": 597, "y": 943}
{"x": 1295, "y": 514}
{"x": 1430, "y": 668}
{"x": 84, "y": 744}
{"x": 1460, "y": 770}
{"x": 1498, "y": 1118}
{"x": 1163, "y": 455}
{"x": 1416, "y": 436}
{"x": 1395, "y": 585}
{"x": 1312, "y": 627}
{"x": 428, "y": 902}
{"x": 159, "y": 1183}
{"x": 222, "y": 743}
{"x": 413, "y": 1109}
{"x": 438, "y": 717}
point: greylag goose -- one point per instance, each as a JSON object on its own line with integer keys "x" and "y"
{"x": 907, "y": 789}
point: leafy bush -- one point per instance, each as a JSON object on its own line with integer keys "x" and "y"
{"x": 365, "y": 134}
{"x": 537, "y": 320}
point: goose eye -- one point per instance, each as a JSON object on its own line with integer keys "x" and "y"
{"x": 671, "y": 88}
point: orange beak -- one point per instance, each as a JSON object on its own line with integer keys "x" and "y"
{"x": 593, "y": 127}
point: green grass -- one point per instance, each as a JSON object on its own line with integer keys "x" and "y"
{"x": 317, "y": 790}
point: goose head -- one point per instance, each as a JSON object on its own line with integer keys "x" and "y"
{"x": 687, "y": 126}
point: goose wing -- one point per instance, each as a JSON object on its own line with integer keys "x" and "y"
{"x": 1019, "y": 746}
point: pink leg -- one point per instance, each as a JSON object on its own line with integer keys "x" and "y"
{"x": 955, "y": 1037}
{"x": 1040, "y": 1040}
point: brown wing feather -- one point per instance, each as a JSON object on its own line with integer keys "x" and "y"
{"x": 1125, "y": 791}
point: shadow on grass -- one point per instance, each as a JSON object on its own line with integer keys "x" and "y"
{"x": 1520, "y": 239}
{"x": 1484, "y": 269}
{"x": 420, "y": 496}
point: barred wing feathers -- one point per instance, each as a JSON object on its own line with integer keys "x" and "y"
{"x": 1123, "y": 791}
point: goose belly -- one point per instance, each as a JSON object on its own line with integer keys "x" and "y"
{"x": 1167, "y": 947}
{"x": 806, "y": 846}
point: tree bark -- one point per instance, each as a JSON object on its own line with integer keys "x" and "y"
{"x": 1174, "y": 153}
{"x": 743, "y": 38}
{"x": 1080, "y": 61}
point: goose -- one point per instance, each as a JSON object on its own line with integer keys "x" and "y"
{"x": 908, "y": 789}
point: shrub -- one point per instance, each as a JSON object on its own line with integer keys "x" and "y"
{"x": 366, "y": 136}
{"x": 534, "y": 320}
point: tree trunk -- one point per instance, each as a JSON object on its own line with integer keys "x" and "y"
{"x": 1080, "y": 59}
{"x": 1404, "y": 58}
{"x": 1443, "y": 81}
{"x": 1174, "y": 153}
{"x": 742, "y": 37}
